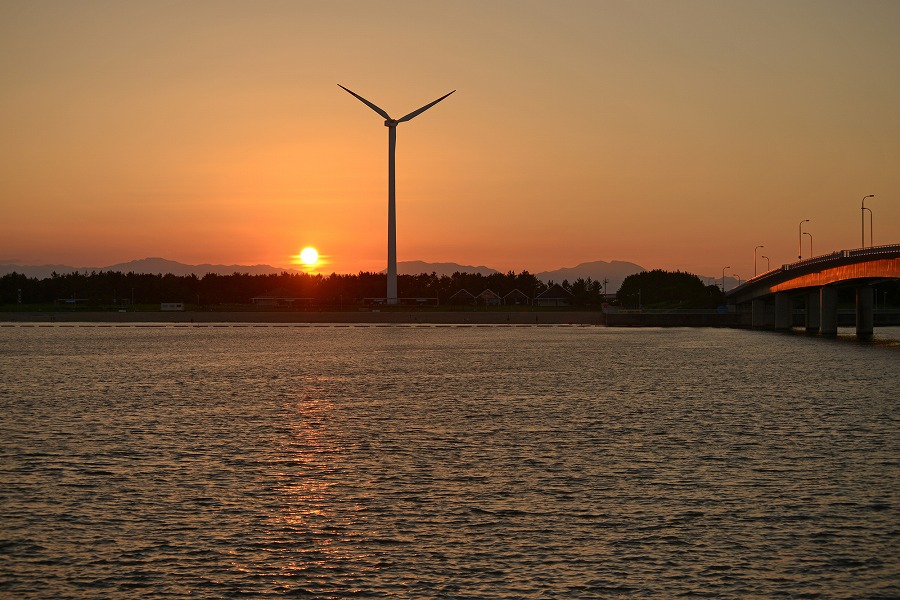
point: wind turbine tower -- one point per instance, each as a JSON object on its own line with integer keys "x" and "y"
{"x": 391, "y": 124}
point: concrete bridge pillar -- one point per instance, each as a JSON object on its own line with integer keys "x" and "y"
{"x": 828, "y": 310}
{"x": 784, "y": 314}
{"x": 758, "y": 314}
{"x": 865, "y": 311}
{"x": 812, "y": 311}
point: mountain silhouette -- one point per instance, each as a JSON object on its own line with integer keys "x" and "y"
{"x": 160, "y": 266}
{"x": 598, "y": 270}
{"x": 164, "y": 266}
{"x": 416, "y": 267}
{"x": 614, "y": 271}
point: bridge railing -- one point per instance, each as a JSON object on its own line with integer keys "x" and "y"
{"x": 871, "y": 251}
{"x": 768, "y": 273}
{"x": 793, "y": 265}
{"x": 814, "y": 260}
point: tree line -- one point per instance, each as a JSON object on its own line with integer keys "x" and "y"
{"x": 668, "y": 289}
{"x": 113, "y": 288}
{"x": 116, "y": 288}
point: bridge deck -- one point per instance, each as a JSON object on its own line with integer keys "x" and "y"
{"x": 846, "y": 267}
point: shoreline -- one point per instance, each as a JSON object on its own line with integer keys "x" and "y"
{"x": 301, "y": 317}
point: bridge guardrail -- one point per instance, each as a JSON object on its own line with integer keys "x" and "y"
{"x": 814, "y": 260}
{"x": 871, "y": 251}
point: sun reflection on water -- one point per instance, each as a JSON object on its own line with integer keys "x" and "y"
{"x": 309, "y": 543}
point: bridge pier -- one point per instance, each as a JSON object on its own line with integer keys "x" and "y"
{"x": 758, "y": 317}
{"x": 784, "y": 313}
{"x": 865, "y": 311}
{"x": 813, "y": 311}
{"x": 828, "y": 310}
{"x": 817, "y": 280}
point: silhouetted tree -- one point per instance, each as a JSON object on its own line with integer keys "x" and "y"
{"x": 669, "y": 289}
{"x": 115, "y": 288}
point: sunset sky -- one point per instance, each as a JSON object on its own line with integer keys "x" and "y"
{"x": 676, "y": 135}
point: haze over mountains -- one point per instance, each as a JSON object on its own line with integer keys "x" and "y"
{"x": 160, "y": 266}
{"x": 615, "y": 271}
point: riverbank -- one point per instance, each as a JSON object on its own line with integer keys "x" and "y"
{"x": 375, "y": 317}
{"x": 394, "y": 316}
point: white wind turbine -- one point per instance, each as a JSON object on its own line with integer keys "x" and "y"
{"x": 391, "y": 124}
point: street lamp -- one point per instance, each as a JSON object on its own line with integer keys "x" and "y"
{"x": 871, "y": 231}
{"x": 754, "y": 259}
{"x": 862, "y": 215}
{"x": 810, "y": 243}
{"x": 723, "y": 278}
{"x": 768, "y": 264}
{"x": 800, "y": 242}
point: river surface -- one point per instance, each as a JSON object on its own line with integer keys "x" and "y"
{"x": 447, "y": 462}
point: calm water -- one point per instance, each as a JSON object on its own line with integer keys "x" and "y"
{"x": 451, "y": 462}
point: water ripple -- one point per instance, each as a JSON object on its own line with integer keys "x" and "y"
{"x": 445, "y": 462}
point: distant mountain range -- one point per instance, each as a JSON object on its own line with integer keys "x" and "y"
{"x": 145, "y": 265}
{"x": 416, "y": 267}
{"x": 615, "y": 271}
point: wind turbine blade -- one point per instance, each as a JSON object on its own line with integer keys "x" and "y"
{"x": 369, "y": 104}
{"x": 416, "y": 113}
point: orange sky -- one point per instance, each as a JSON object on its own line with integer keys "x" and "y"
{"x": 677, "y": 135}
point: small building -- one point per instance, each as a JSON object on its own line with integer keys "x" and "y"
{"x": 401, "y": 301}
{"x": 461, "y": 298}
{"x": 170, "y": 306}
{"x": 488, "y": 298}
{"x": 74, "y": 301}
{"x": 281, "y": 301}
{"x": 555, "y": 295}
{"x": 516, "y": 298}
{"x": 418, "y": 301}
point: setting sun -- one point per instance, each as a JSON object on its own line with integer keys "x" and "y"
{"x": 309, "y": 256}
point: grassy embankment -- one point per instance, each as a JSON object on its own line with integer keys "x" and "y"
{"x": 250, "y": 314}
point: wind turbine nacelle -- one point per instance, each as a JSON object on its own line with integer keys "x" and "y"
{"x": 391, "y": 122}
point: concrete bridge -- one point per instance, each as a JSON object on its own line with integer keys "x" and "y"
{"x": 815, "y": 282}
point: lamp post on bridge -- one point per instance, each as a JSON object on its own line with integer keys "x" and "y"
{"x": 862, "y": 214}
{"x": 871, "y": 231}
{"x": 768, "y": 264}
{"x": 800, "y": 242}
{"x": 723, "y": 278}
{"x": 754, "y": 259}
{"x": 810, "y": 243}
